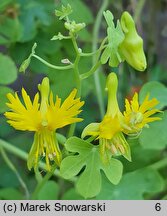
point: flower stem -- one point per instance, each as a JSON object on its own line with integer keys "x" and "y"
{"x": 94, "y": 47}
{"x": 91, "y": 71}
{"x": 159, "y": 164}
{"x": 38, "y": 175}
{"x": 51, "y": 65}
{"x": 95, "y": 52}
{"x": 77, "y": 80}
{"x": 75, "y": 66}
{"x": 43, "y": 182}
{"x": 88, "y": 54}
{"x": 12, "y": 167}
{"x": 138, "y": 10}
{"x": 77, "y": 76}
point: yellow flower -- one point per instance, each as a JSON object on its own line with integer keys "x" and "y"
{"x": 137, "y": 116}
{"x": 44, "y": 117}
{"x": 109, "y": 131}
{"x": 109, "y": 127}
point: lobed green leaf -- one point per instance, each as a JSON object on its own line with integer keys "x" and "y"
{"x": 115, "y": 37}
{"x": 88, "y": 162}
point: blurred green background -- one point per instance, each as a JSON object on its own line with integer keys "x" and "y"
{"x": 23, "y": 22}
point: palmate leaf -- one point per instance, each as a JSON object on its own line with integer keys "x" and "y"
{"x": 88, "y": 158}
{"x": 115, "y": 37}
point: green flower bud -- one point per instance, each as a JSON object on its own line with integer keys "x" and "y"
{"x": 132, "y": 46}
{"x": 24, "y": 65}
{"x": 74, "y": 27}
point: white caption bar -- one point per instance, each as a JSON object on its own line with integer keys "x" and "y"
{"x": 83, "y": 207}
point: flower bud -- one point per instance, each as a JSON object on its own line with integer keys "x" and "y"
{"x": 73, "y": 26}
{"x": 132, "y": 46}
{"x": 25, "y": 64}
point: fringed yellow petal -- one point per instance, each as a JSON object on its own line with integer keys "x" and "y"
{"x": 59, "y": 115}
{"x": 150, "y": 112}
{"x": 137, "y": 116}
{"x": 135, "y": 103}
{"x": 151, "y": 119}
{"x": 23, "y": 117}
{"x": 26, "y": 98}
{"x": 36, "y": 102}
{"x": 58, "y": 102}
{"x": 148, "y": 104}
{"x": 67, "y": 103}
{"x": 15, "y": 103}
{"x": 127, "y": 106}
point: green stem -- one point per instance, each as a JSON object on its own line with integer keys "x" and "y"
{"x": 138, "y": 9}
{"x": 51, "y": 65}
{"x": 71, "y": 130}
{"x": 95, "y": 52}
{"x": 61, "y": 139}
{"x": 43, "y": 182}
{"x": 14, "y": 150}
{"x": 94, "y": 47}
{"x": 75, "y": 66}
{"x": 12, "y": 167}
{"x": 75, "y": 45}
{"x": 88, "y": 54}
{"x": 77, "y": 76}
{"x": 159, "y": 164}
{"x": 92, "y": 70}
{"x": 38, "y": 175}
{"x": 98, "y": 63}
{"x": 77, "y": 80}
